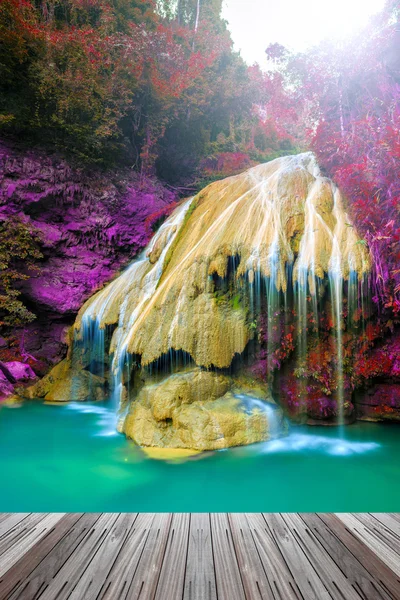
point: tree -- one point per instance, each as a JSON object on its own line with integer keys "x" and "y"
{"x": 344, "y": 104}
{"x": 19, "y": 251}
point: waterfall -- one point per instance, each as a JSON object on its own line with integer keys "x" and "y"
{"x": 273, "y": 422}
{"x": 143, "y": 276}
{"x": 272, "y": 241}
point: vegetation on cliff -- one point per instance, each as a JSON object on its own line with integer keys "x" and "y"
{"x": 155, "y": 86}
{"x": 346, "y": 107}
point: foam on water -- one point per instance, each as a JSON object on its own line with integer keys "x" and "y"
{"x": 300, "y": 442}
{"x": 106, "y": 417}
{"x": 250, "y": 403}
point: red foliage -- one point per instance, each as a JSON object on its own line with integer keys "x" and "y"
{"x": 92, "y": 63}
{"x": 344, "y": 102}
{"x": 154, "y": 220}
{"x": 382, "y": 362}
{"x": 227, "y": 163}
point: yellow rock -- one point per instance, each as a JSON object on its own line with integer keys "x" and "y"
{"x": 64, "y": 384}
{"x": 278, "y": 213}
{"x": 186, "y": 411}
{"x": 193, "y": 291}
{"x": 14, "y": 401}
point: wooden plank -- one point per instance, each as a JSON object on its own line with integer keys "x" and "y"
{"x": 388, "y": 521}
{"x": 172, "y": 577}
{"x": 302, "y": 570}
{"x": 91, "y": 581}
{"x": 200, "y": 574}
{"x": 255, "y": 582}
{"x": 281, "y": 581}
{"x": 378, "y": 570}
{"x": 380, "y": 531}
{"x": 69, "y": 575}
{"x": 11, "y": 522}
{"x": 120, "y": 577}
{"x": 199, "y": 557}
{"x": 145, "y": 581}
{"x": 54, "y": 560}
{"x": 356, "y": 573}
{"x": 227, "y": 574}
{"x": 18, "y": 532}
{"x": 329, "y": 573}
{"x": 21, "y": 570}
{"x": 380, "y": 548}
{"x": 395, "y": 516}
{"x": 23, "y": 545}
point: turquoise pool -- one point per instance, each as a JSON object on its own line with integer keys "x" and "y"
{"x": 69, "y": 458}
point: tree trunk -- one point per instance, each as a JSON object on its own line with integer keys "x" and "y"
{"x": 196, "y": 24}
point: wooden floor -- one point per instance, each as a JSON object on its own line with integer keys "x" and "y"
{"x": 199, "y": 556}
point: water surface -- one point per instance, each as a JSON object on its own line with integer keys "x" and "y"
{"x": 69, "y": 458}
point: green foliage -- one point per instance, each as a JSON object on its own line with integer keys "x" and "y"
{"x": 19, "y": 251}
{"x": 151, "y": 83}
{"x": 236, "y": 302}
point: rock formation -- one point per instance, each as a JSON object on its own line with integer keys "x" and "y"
{"x": 250, "y": 261}
{"x": 251, "y": 225}
{"x": 198, "y": 410}
{"x": 90, "y": 223}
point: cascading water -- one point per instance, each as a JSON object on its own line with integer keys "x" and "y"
{"x": 143, "y": 276}
{"x": 250, "y": 404}
{"x": 273, "y": 243}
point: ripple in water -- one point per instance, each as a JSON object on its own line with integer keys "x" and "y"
{"x": 300, "y": 442}
{"x": 107, "y": 420}
{"x": 294, "y": 442}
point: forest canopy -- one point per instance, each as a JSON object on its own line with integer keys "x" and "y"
{"x": 149, "y": 84}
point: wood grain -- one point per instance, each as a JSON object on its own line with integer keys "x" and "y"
{"x": 355, "y": 571}
{"x": 299, "y": 565}
{"x": 370, "y": 539}
{"x": 227, "y": 571}
{"x": 200, "y": 571}
{"x": 17, "y": 576}
{"x": 181, "y": 556}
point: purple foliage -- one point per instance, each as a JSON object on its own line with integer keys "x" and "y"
{"x": 91, "y": 225}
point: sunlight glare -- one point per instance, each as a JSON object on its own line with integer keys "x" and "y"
{"x": 254, "y": 24}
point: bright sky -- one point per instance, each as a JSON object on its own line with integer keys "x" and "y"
{"x": 297, "y": 24}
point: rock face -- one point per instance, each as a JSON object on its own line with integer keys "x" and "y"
{"x": 6, "y": 386}
{"x": 14, "y": 373}
{"x": 90, "y": 224}
{"x": 20, "y": 371}
{"x": 64, "y": 384}
{"x": 378, "y": 398}
{"x": 197, "y": 410}
{"x": 251, "y": 225}
{"x": 379, "y": 403}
